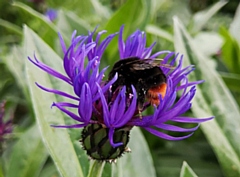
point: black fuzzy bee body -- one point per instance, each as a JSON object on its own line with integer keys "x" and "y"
{"x": 143, "y": 74}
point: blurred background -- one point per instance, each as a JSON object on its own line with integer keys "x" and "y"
{"x": 214, "y": 27}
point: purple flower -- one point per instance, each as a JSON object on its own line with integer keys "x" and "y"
{"x": 5, "y": 127}
{"x": 51, "y": 14}
{"x": 109, "y": 108}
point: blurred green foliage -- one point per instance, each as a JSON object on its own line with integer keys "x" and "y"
{"x": 214, "y": 29}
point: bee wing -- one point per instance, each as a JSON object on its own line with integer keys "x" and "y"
{"x": 142, "y": 65}
{"x": 137, "y": 64}
{"x": 155, "y": 62}
{"x": 147, "y": 63}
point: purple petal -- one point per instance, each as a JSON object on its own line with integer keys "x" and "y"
{"x": 105, "y": 107}
{"x": 176, "y": 128}
{"x": 62, "y": 43}
{"x": 130, "y": 111}
{"x": 160, "y": 53}
{"x": 65, "y": 104}
{"x": 49, "y": 70}
{"x": 191, "y": 119}
{"x": 77, "y": 84}
{"x": 73, "y": 36}
{"x": 104, "y": 44}
{"x": 189, "y": 84}
{"x": 57, "y": 92}
{"x": 110, "y": 137}
{"x": 85, "y": 105}
{"x": 69, "y": 113}
{"x": 148, "y": 51}
{"x": 121, "y": 104}
{"x": 165, "y": 136}
{"x": 106, "y": 87}
{"x": 115, "y": 108}
{"x": 176, "y": 110}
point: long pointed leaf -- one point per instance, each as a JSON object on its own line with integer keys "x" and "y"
{"x": 28, "y": 155}
{"x": 48, "y": 31}
{"x": 186, "y": 171}
{"x": 139, "y": 162}
{"x": 235, "y": 25}
{"x": 57, "y": 141}
{"x": 11, "y": 26}
{"x": 201, "y": 18}
{"x": 213, "y": 98}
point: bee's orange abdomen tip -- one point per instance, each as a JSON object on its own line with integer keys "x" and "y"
{"x": 153, "y": 93}
{"x": 154, "y": 101}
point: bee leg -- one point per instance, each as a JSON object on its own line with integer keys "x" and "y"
{"x": 141, "y": 91}
{"x": 140, "y": 105}
{"x": 140, "y": 114}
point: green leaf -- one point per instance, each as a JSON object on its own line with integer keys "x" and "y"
{"x": 57, "y": 141}
{"x": 49, "y": 170}
{"x": 92, "y": 10}
{"x": 168, "y": 158}
{"x": 210, "y": 42}
{"x": 201, "y": 18}
{"x": 186, "y": 171}
{"x": 212, "y": 98}
{"x": 235, "y": 25}
{"x": 231, "y": 80}
{"x": 230, "y": 52}
{"x": 68, "y": 22}
{"x": 155, "y": 30}
{"x": 15, "y": 63}
{"x": 44, "y": 28}
{"x": 233, "y": 83}
{"x": 100, "y": 9}
{"x": 127, "y": 15}
{"x": 51, "y": 59}
{"x": 28, "y": 155}
{"x": 137, "y": 163}
{"x": 11, "y": 26}
{"x": 134, "y": 14}
{"x": 1, "y": 172}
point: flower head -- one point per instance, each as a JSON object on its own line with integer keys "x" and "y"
{"x": 109, "y": 108}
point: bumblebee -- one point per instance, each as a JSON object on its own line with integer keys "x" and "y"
{"x": 145, "y": 75}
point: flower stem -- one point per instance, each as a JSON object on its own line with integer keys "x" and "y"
{"x": 96, "y": 169}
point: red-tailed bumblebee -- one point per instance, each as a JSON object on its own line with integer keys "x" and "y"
{"x": 145, "y": 75}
